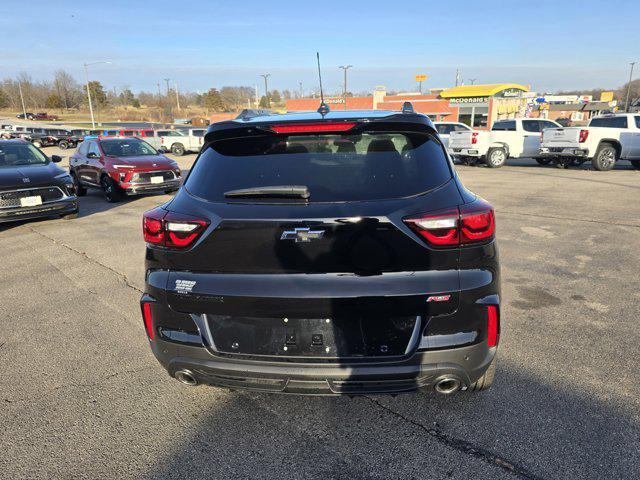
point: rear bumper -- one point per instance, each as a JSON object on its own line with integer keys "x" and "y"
{"x": 63, "y": 207}
{"x": 420, "y": 371}
{"x": 564, "y": 152}
{"x": 466, "y": 152}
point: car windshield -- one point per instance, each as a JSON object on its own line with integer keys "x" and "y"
{"x": 16, "y": 154}
{"x": 127, "y": 148}
{"x": 334, "y": 168}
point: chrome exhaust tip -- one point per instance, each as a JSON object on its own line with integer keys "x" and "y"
{"x": 186, "y": 377}
{"x": 447, "y": 385}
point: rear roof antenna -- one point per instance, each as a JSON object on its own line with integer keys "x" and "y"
{"x": 324, "y": 108}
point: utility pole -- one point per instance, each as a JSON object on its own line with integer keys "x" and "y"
{"x": 266, "y": 88}
{"x": 167, "y": 82}
{"x": 301, "y": 91}
{"x": 257, "y": 95}
{"x": 344, "y": 94}
{"x": 626, "y": 108}
{"x": 24, "y": 110}
{"x": 86, "y": 77}
{"x": 457, "y": 76}
{"x": 472, "y": 80}
{"x": 177, "y": 96}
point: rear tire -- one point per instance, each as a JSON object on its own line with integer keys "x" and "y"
{"x": 63, "y": 145}
{"x": 486, "y": 380}
{"x": 177, "y": 149}
{"x": 543, "y": 161}
{"x": 605, "y": 157}
{"x": 37, "y": 144}
{"x": 636, "y": 164}
{"x": 110, "y": 190}
{"x": 496, "y": 157}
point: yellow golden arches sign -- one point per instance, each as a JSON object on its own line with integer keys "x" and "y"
{"x": 421, "y": 78}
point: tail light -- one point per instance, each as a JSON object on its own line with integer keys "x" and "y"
{"x": 467, "y": 224}
{"x": 474, "y": 138}
{"x": 171, "y": 230}
{"x": 314, "y": 127}
{"x": 147, "y": 316}
{"x": 493, "y": 325}
{"x": 584, "y": 134}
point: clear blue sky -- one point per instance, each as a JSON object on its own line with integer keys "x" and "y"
{"x": 551, "y": 45}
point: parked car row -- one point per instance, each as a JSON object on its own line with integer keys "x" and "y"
{"x": 177, "y": 142}
{"x": 32, "y": 185}
{"x": 606, "y": 140}
{"x": 37, "y": 116}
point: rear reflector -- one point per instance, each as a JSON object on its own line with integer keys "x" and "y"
{"x": 467, "y": 224}
{"x": 493, "y": 325}
{"x": 148, "y": 319}
{"x": 313, "y": 127}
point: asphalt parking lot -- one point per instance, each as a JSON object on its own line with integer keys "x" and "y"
{"x": 81, "y": 395}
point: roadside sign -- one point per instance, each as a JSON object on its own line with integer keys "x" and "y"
{"x": 421, "y": 78}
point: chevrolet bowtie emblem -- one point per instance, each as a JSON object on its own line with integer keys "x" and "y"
{"x": 302, "y": 234}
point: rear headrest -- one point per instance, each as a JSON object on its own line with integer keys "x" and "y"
{"x": 297, "y": 148}
{"x": 345, "y": 146}
{"x": 381, "y": 145}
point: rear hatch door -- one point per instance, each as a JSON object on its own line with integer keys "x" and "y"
{"x": 336, "y": 275}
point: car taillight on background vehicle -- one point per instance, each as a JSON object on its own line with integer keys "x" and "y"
{"x": 474, "y": 138}
{"x": 171, "y": 230}
{"x": 467, "y": 224}
{"x": 493, "y": 325}
{"x": 584, "y": 134}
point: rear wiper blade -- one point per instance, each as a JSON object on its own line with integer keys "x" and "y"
{"x": 276, "y": 191}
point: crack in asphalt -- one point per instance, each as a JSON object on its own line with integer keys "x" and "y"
{"x": 464, "y": 446}
{"x": 92, "y": 260}
{"x": 558, "y": 217}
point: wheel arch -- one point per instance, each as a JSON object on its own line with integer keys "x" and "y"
{"x": 612, "y": 142}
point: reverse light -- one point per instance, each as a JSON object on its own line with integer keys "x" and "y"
{"x": 493, "y": 325}
{"x": 313, "y": 127}
{"x": 171, "y": 230}
{"x": 467, "y": 224}
{"x": 147, "y": 316}
{"x": 584, "y": 134}
{"x": 474, "y": 138}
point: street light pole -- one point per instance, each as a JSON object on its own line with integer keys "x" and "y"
{"x": 177, "y": 97}
{"x": 167, "y": 82}
{"x": 626, "y": 108}
{"x": 344, "y": 93}
{"x": 86, "y": 77}
{"x": 472, "y": 80}
{"x": 266, "y": 88}
{"x": 24, "y": 110}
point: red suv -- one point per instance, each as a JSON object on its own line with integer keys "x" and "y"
{"x": 122, "y": 166}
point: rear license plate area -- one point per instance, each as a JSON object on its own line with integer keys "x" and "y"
{"x": 157, "y": 179}
{"x": 312, "y": 337}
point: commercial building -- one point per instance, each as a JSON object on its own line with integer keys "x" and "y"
{"x": 478, "y": 106}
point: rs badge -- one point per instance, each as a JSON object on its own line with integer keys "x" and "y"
{"x": 438, "y": 298}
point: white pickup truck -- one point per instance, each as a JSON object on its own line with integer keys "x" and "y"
{"x": 187, "y": 141}
{"x": 607, "y": 139}
{"x": 514, "y": 138}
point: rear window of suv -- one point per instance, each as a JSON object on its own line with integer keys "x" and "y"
{"x": 335, "y": 168}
